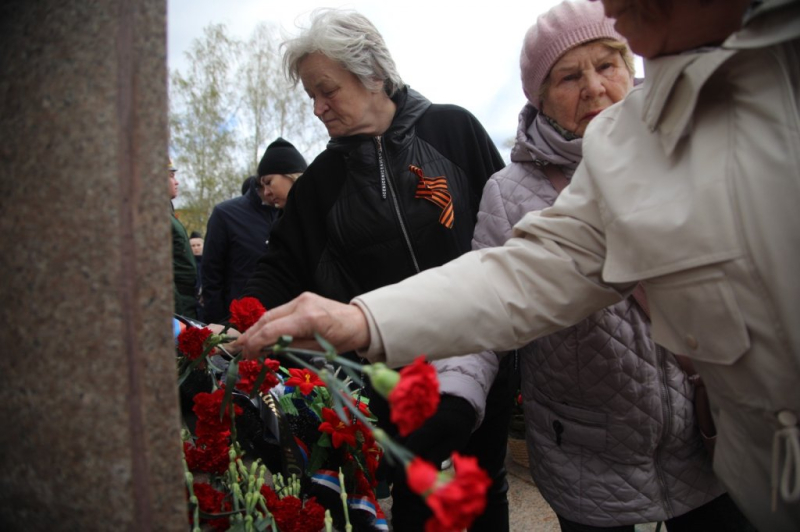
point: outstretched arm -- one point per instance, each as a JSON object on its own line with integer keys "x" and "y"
{"x": 343, "y": 325}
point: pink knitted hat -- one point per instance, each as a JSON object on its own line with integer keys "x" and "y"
{"x": 563, "y": 27}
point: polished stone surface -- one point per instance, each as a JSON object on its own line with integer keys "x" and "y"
{"x": 90, "y": 436}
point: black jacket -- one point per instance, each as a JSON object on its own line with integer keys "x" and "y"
{"x": 237, "y": 235}
{"x": 345, "y": 230}
{"x": 184, "y": 269}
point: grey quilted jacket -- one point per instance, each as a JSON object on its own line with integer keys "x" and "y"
{"x": 609, "y": 415}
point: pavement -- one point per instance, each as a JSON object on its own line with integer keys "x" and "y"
{"x": 528, "y": 511}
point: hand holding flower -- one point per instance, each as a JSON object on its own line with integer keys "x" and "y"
{"x": 303, "y": 318}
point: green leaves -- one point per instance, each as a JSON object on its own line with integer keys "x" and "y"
{"x": 225, "y": 107}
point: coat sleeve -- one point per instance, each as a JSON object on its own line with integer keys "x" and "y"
{"x": 469, "y": 377}
{"x": 215, "y": 261}
{"x": 546, "y": 277}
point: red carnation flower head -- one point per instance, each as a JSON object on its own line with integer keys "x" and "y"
{"x": 340, "y": 431}
{"x": 191, "y": 341}
{"x": 208, "y": 455}
{"x": 312, "y": 519}
{"x": 416, "y": 396}
{"x": 270, "y": 496}
{"x": 304, "y": 379}
{"x": 249, "y": 370}
{"x": 291, "y": 513}
{"x": 455, "y": 504}
{"x": 207, "y": 407}
{"x": 422, "y": 476}
{"x": 212, "y": 501}
{"x": 245, "y": 312}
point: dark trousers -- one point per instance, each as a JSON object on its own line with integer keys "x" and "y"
{"x": 719, "y": 515}
{"x": 451, "y": 430}
{"x": 489, "y": 444}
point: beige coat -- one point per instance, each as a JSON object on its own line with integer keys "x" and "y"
{"x": 692, "y": 186}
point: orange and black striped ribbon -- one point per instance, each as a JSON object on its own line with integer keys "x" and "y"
{"x": 434, "y": 189}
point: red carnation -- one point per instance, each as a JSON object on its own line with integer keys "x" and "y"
{"x": 207, "y": 407}
{"x": 291, "y": 513}
{"x": 312, "y": 519}
{"x": 286, "y": 511}
{"x": 416, "y": 396}
{"x": 208, "y": 455}
{"x": 421, "y": 476}
{"x": 245, "y": 312}
{"x": 270, "y": 495}
{"x": 212, "y": 501}
{"x": 340, "y": 431}
{"x": 457, "y": 503}
{"x": 191, "y": 341}
{"x": 249, "y": 370}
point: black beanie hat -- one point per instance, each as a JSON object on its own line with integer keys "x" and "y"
{"x": 281, "y": 157}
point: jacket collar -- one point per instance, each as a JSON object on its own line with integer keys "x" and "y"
{"x": 673, "y": 83}
{"x": 411, "y": 105}
{"x": 253, "y": 197}
{"x": 540, "y": 143}
{"x": 521, "y": 152}
{"x": 672, "y": 87}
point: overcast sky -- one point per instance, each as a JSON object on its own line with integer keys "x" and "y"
{"x": 448, "y": 51}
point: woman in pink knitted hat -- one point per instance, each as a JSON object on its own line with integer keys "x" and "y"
{"x": 688, "y": 188}
{"x": 610, "y": 423}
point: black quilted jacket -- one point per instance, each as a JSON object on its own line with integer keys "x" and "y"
{"x": 352, "y": 222}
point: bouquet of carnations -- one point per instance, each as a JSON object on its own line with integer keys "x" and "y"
{"x": 288, "y": 443}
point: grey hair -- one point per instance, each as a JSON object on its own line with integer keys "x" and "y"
{"x": 350, "y": 38}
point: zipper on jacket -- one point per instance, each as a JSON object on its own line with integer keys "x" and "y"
{"x": 386, "y": 182}
{"x": 661, "y": 368}
{"x": 381, "y": 166}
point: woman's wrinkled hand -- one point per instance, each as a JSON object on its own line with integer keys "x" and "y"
{"x": 341, "y": 324}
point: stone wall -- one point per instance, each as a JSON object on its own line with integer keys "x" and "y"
{"x": 88, "y": 403}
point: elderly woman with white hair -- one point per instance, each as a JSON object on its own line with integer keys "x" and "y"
{"x": 395, "y": 192}
{"x": 610, "y": 422}
{"x": 687, "y": 186}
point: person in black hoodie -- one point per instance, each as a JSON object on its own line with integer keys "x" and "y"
{"x": 395, "y": 192}
{"x": 238, "y": 233}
